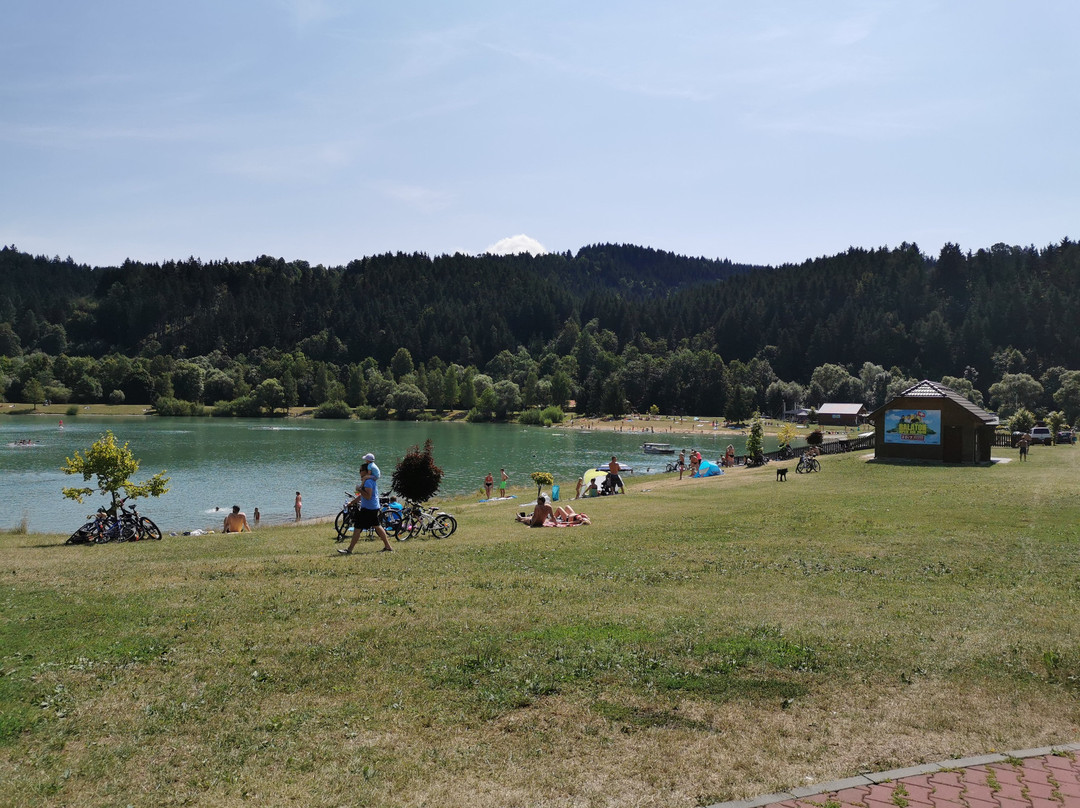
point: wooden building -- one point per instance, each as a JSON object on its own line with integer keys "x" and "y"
{"x": 931, "y": 422}
{"x": 841, "y": 414}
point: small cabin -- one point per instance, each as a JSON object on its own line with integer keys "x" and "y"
{"x": 841, "y": 414}
{"x": 931, "y": 422}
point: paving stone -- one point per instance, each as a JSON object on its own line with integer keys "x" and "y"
{"x": 947, "y": 792}
{"x": 1039, "y": 802}
{"x": 1040, "y": 790}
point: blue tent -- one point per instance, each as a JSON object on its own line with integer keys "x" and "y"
{"x": 708, "y": 469}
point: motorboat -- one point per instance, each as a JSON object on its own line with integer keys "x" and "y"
{"x": 657, "y": 448}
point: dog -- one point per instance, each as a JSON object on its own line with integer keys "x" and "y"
{"x": 781, "y": 475}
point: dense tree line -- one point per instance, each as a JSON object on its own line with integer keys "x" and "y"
{"x": 616, "y": 327}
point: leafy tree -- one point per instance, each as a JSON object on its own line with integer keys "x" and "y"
{"x": 740, "y": 404}
{"x": 542, "y": 478}
{"x": 407, "y": 400}
{"x": 34, "y": 392}
{"x": 112, "y": 466}
{"x": 1067, "y": 396}
{"x": 561, "y": 388}
{"x": 1022, "y": 420}
{"x": 333, "y": 409}
{"x": 755, "y": 440}
{"x": 507, "y": 398}
{"x": 1014, "y": 391}
{"x": 270, "y": 395}
{"x": 450, "y": 387}
{"x": 289, "y": 389}
{"x": 402, "y": 364}
{"x": 1056, "y": 422}
{"x": 355, "y": 394}
{"x": 416, "y": 477}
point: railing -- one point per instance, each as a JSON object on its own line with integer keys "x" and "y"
{"x": 828, "y": 447}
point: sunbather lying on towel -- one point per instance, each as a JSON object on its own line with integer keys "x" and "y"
{"x": 567, "y": 516}
{"x": 544, "y": 516}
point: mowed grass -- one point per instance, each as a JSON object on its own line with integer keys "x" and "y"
{"x": 703, "y": 640}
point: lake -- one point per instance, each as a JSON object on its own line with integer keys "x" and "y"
{"x": 220, "y": 462}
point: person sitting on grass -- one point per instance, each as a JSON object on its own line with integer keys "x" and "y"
{"x": 541, "y": 513}
{"x": 592, "y": 490}
{"x": 236, "y": 522}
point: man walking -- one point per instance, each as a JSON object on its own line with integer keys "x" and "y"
{"x": 367, "y": 514}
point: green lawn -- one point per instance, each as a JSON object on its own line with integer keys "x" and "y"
{"x": 700, "y": 641}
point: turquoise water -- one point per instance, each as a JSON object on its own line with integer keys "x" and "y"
{"x": 218, "y": 462}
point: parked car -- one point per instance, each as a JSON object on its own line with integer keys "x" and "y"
{"x": 1043, "y": 435}
{"x": 1065, "y": 436}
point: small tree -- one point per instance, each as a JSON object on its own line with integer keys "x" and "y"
{"x": 1056, "y": 421}
{"x": 541, "y": 478}
{"x": 34, "y": 392}
{"x": 113, "y": 466}
{"x": 1022, "y": 420}
{"x": 754, "y": 441}
{"x": 786, "y": 433}
{"x": 416, "y": 477}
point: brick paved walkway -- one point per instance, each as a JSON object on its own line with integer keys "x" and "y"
{"x": 1032, "y": 778}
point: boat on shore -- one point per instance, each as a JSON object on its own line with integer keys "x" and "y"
{"x": 657, "y": 448}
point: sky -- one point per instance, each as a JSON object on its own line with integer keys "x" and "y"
{"x": 768, "y": 132}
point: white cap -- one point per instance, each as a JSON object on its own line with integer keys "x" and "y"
{"x": 369, "y": 458}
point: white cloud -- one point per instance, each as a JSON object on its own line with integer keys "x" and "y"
{"x": 513, "y": 245}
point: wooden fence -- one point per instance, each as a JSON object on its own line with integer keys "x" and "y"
{"x": 828, "y": 447}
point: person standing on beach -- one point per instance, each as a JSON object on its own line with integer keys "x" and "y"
{"x": 489, "y": 484}
{"x": 367, "y": 514}
{"x": 297, "y": 505}
{"x": 502, "y": 483}
{"x": 1023, "y": 443}
{"x": 257, "y": 517}
{"x": 682, "y": 462}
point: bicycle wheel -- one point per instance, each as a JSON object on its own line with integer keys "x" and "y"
{"x": 341, "y": 525}
{"x": 443, "y": 526}
{"x": 392, "y": 521}
{"x": 82, "y": 535}
{"x": 148, "y": 529}
{"x": 815, "y": 465}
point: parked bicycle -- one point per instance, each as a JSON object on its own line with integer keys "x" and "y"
{"x": 389, "y": 517}
{"x": 126, "y": 525}
{"x": 807, "y": 464}
{"x": 420, "y": 521}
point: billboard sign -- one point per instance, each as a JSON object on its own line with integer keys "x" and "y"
{"x": 913, "y": 426}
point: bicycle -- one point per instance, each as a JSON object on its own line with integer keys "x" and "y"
{"x": 144, "y": 527}
{"x": 807, "y": 464}
{"x": 389, "y": 518}
{"x": 418, "y": 521}
{"x": 105, "y": 527}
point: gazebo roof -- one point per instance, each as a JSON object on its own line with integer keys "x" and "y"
{"x": 929, "y": 389}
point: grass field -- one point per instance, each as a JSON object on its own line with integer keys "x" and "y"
{"x": 702, "y": 640}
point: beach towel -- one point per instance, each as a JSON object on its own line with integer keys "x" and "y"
{"x": 498, "y": 499}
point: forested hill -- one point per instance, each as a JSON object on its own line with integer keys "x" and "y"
{"x": 927, "y": 315}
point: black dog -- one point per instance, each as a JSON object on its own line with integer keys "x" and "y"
{"x": 781, "y": 474}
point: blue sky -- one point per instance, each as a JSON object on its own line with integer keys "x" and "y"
{"x": 327, "y": 130}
